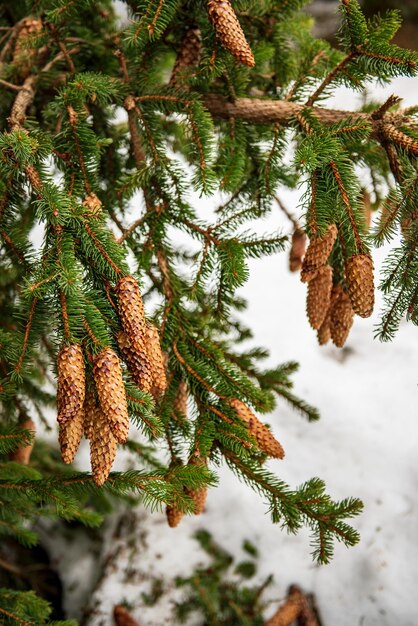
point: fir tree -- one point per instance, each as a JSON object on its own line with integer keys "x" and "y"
{"x": 99, "y": 120}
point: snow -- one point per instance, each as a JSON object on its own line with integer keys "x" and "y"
{"x": 364, "y": 445}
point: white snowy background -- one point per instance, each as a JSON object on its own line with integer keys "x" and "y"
{"x": 365, "y": 445}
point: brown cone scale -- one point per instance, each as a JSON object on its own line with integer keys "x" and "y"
{"x": 317, "y": 253}
{"x": 324, "y": 331}
{"x": 71, "y": 382}
{"x": 90, "y": 406}
{"x": 319, "y": 296}
{"x": 157, "y": 362}
{"x": 264, "y": 437}
{"x": 174, "y": 516}
{"x": 341, "y": 316}
{"x": 229, "y": 31}
{"x": 135, "y": 355}
{"x": 122, "y": 616}
{"x": 102, "y": 448}
{"x": 188, "y": 56}
{"x": 69, "y": 436}
{"x": 198, "y": 495}
{"x": 131, "y": 307}
{"x": 359, "y": 276}
{"x": 297, "y": 250}
{"x": 111, "y": 392}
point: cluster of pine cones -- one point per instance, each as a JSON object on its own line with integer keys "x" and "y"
{"x": 98, "y": 408}
{"x": 331, "y": 306}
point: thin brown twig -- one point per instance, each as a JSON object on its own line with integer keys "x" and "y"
{"x": 27, "y": 333}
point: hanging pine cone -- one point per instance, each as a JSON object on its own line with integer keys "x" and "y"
{"x": 264, "y": 437}
{"x": 188, "y": 56}
{"x": 69, "y": 436}
{"x": 102, "y": 448}
{"x": 92, "y": 205}
{"x": 26, "y": 52}
{"x": 90, "y": 407}
{"x": 131, "y": 307}
{"x": 319, "y": 296}
{"x": 341, "y": 316}
{"x": 324, "y": 332}
{"x": 71, "y": 382}
{"x": 174, "y": 516}
{"x": 136, "y": 357}
{"x": 122, "y": 616}
{"x": 22, "y": 454}
{"x": 198, "y": 495}
{"x": 317, "y": 253}
{"x": 111, "y": 392}
{"x": 156, "y": 360}
{"x": 180, "y": 401}
{"x": 359, "y": 276}
{"x": 297, "y": 250}
{"x": 229, "y": 31}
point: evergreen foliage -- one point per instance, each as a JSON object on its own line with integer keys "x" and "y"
{"x": 102, "y": 161}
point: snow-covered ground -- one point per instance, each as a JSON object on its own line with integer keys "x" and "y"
{"x": 365, "y": 445}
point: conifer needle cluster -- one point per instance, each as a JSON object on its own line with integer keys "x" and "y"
{"x": 109, "y": 134}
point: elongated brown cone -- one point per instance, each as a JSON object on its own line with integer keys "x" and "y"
{"x": 324, "y": 331}
{"x": 198, "y": 495}
{"x": 174, "y": 516}
{"x": 156, "y": 359}
{"x": 341, "y": 316}
{"x": 188, "y": 56}
{"x": 317, "y": 253}
{"x": 131, "y": 307}
{"x": 69, "y": 436}
{"x": 135, "y": 355}
{"x": 180, "y": 402}
{"x": 229, "y": 31}
{"x": 319, "y": 296}
{"x": 90, "y": 408}
{"x": 22, "y": 454}
{"x": 288, "y": 612}
{"x": 26, "y": 52}
{"x": 297, "y": 250}
{"x": 359, "y": 276}
{"x": 264, "y": 437}
{"x": 102, "y": 448}
{"x": 71, "y": 382}
{"x": 122, "y": 616}
{"x": 111, "y": 392}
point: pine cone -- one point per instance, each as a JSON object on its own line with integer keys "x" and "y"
{"x": 69, "y": 436}
{"x": 123, "y": 617}
{"x": 23, "y": 453}
{"x": 317, "y": 253}
{"x": 229, "y": 31}
{"x": 341, "y": 316}
{"x": 264, "y": 437}
{"x": 188, "y": 56}
{"x": 102, "y": 448}
{"x": 180, "y": 401}
{"x": 319, "y": 296}
{"x": 324, "y": 332}
{"x": 131, "y": 307}
{"x": 156, "y": 359}
{"x": 198, "y": 495}
{"x": 297, "y": 250}
{"x": 92, "y": 205}
{"x": 90, "y": 408}
{"x": 135, "y": 355}
{"x": 25, "y": 52}
{"x": 359, "y": 276}
{"x": 174, "y": 516}
{"x": 71, "y": 382}
{"x": 111, "y": 392}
